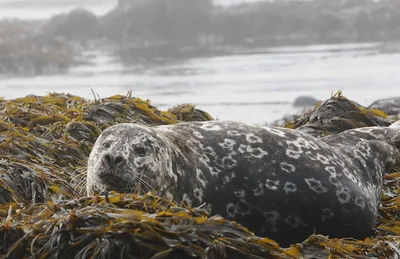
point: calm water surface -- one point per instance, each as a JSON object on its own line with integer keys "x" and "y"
{"x": 255, "y": 88}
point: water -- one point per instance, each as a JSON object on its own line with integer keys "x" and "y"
{"x": 254, "y": 88}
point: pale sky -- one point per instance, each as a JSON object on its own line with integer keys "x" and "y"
{"x": 34, "y": 9}
{"x": 222, "y": 2}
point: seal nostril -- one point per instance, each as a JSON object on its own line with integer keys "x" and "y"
{"x": 119, "y": 160}
{"x": 107, "y": 159}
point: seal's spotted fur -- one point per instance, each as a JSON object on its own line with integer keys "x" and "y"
{"x": 278, "y": 182}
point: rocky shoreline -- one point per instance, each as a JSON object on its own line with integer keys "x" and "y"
{"x": 44, "y": 145}
{"x": 133, "y": 33}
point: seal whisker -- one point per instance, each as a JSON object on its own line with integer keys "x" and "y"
{"x": 146, "y": 184}
{"x": 131, "y": 184}
{"x": 146, "y": 176}
{"x": 80, "y": 173}
{"x": 134, "y": 185}
{"x": 80, "y": 186}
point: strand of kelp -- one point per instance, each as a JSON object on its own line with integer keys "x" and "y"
{"x": 44, "y": 144}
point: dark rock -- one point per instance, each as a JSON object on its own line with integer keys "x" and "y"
{"x": 304, "y": 101}
{"x": 390, "y": 106}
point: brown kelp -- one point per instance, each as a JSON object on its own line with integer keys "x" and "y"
{"x": 338, "y": 114}
{"x": 44, "y": 145}
{"x": 128, "y": 226}
{"x": 188, "y": 112}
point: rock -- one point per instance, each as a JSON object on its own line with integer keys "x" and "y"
{"x": 390, "y": 106}
{"x": 304, "y": 101}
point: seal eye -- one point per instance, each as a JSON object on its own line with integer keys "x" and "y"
{"x": 140, "y": 151}
{"x": 106, "y": 145}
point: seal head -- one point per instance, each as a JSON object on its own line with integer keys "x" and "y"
{"x": 127, "y": 158}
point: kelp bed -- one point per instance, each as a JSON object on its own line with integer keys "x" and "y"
{"x": 44, "y": 145}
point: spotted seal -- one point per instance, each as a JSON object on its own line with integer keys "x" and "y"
{"x": 278, "y": 182}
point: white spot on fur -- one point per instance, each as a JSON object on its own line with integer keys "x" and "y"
{"x": 231, "y": 210}
{"x": 294, "y": 221}
{"x": 210, "y": 126}
{"x": 201, "y": 178}
{"x": 198, "y": 135}
{"x": 323, "y": 159}
{"x": 252, "y": 138}
{"x": 258, "y": 191}
{"x": 294, "y": 149}
{"x": 289, "y": 168}
{"x": 331, "y": 170}
{"x": 289, "y": 187}
{"x": 228, "y": 144}
{"x": 360, "y": 202}
{"x": 335, "y": 181}
{"x": 343, "y": 194}
{"x": 229, "y": 162}
{"x": 293, "y": 154}
{"x": 303, "y": 143}
{"x": 275, "y": 131}
{"x": 242, "y": 148}
{"x": 272, "y": 185}
{"x": 256, "y": 152}
{"x": 315, "y": 185}
{"x": 240, "y": 193}
{"x": 234, "y": 133}
{"x": 359, "y": 156}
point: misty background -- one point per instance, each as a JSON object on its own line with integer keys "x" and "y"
{"x": 236, "y": 59}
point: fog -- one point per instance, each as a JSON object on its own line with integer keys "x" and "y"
{"x": 228, "y": 57}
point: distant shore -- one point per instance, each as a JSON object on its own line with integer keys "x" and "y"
{"x": 169, "y": 30}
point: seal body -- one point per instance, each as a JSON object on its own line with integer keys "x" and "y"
{"x": 277, "y": 182}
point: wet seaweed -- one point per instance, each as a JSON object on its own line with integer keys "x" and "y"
{"x": 188, "y": 112}
{"x": 44, "y": 145}
{"x": 336, "y": 115}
